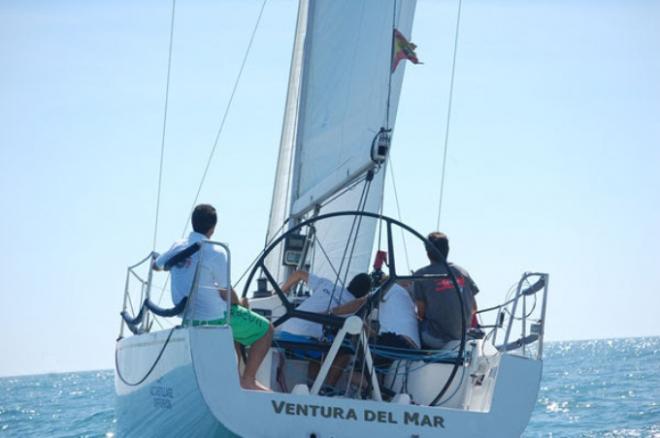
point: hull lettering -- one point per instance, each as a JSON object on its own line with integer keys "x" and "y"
{"x": 350, "y": 414}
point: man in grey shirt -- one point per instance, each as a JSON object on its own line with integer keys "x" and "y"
{"x": 438, "y": 305}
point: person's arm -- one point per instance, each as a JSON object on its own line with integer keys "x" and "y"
{"x": 420, "y": 302}
{"x": 294, "y": 279}
{"x": 350, "y": 307}
{"x": 474, "y": 320}
{"x": 474, "y": 289}
{"x": 234, "y": 297}
{"x": 217, "y": 262}
{"x": 473, "y": 286}
{"x": 421, "y": 309}
{"x": 158, "y": 260}
{"x": 154, "y": 262}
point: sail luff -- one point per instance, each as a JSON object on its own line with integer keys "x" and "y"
{"x": 280, "y": 204}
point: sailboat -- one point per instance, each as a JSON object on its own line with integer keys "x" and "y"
{"x": 326, "y": 218}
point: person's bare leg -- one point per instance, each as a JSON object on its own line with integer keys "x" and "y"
{"x": 334, "y": 373}
{"x": 257, "y": 353}
{"x": 239, "y": 357}
{"x": 338, "y": 366}
{"x": 313, "y": 368}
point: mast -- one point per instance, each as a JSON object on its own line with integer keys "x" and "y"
{"x": 279, "y": 210}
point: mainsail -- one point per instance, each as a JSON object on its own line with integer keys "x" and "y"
{"x": 342, "y": 93}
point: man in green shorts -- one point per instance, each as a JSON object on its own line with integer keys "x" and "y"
{"x": 208, "y": 304}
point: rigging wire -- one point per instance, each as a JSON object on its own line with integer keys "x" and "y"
{"x": 224, "y": 117}
{"x": 130, "y": 302}
{"x": 387, "y": 110}
{"x": 355, "y": 226}
{"x": 345, "y": 190}
{"x": 162, "y": 140}
{"x": 449, "y": 105}
{"x": 365, "y": 189}
{"x": 389, "y": 66}
{"x": 156, "y": 320}
{"x": 327, "y": 258}
{"x": 357, "y": 231}
{"x": 222, "y": 123}
{"x": 254, "y": 261}
{"x": 398, "y": 212}
{"x": 380, "y": 222}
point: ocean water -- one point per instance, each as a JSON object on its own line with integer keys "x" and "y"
{"x": 603, "y": 388}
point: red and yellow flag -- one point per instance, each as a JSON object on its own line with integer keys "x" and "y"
{"x": 403, "y": 49}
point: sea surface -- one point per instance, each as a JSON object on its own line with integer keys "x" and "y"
{"x": 602, "y": 388}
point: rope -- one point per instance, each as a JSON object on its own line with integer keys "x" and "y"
{"x": 398, "y": 212}
{"x": 153, "y": 366}
{"x": 357, "y": 231}
{"x": 162, "y": 139}
{"x": 451, "y": 95}
{"x": 224, "y": 117}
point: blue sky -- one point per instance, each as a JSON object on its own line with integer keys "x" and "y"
{"x": 553, "y": 156}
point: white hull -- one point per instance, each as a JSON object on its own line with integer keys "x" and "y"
{"x": 193, "y": 391}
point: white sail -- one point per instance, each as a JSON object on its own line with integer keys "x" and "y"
{"x": 346, "y": 92}
{"x": 342, "y": 92}
{"x": 344, "y": 244}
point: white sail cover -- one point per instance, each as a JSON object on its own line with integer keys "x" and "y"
{"x": 344, "y": 94}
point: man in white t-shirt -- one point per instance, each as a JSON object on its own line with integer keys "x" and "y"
{"x": 208, "y": 302}
{"x": 397, "y": 315}
{"x": 325, "y": 296}
{"x": 397, "y": 319}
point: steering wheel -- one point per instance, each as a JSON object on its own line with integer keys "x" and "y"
{"x": 337, "y": 321}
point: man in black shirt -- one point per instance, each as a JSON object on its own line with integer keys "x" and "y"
{"x": 438, "y": 306}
